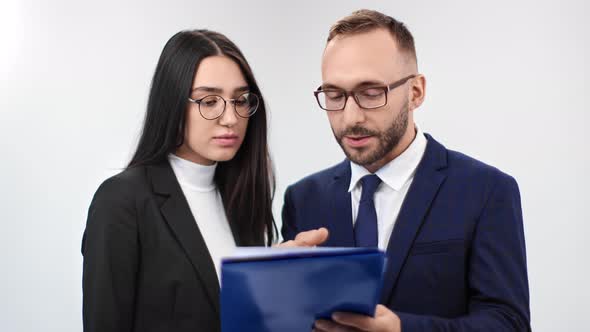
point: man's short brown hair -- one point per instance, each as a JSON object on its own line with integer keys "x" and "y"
{"x": 365, "y": 20}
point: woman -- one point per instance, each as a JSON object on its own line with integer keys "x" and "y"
{"x": 200, "y": 183}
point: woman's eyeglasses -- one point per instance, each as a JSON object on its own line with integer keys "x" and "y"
{"x": 212, "y": 107}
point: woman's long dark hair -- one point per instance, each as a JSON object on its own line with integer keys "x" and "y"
{"x": 246, "y": 182}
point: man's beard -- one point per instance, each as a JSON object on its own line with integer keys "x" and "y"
{"x": 387, "y": 139}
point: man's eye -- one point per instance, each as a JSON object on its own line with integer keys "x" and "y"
{"x": 371, "y": 92}
{"x": 334, "y": 95}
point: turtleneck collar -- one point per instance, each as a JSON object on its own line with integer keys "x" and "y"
{"x": 194, "y": 176}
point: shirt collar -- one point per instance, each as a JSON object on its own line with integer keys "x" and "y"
{"x": 398, "y": 171}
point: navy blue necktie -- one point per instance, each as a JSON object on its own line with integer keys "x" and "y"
{"x": 365, "y": 228}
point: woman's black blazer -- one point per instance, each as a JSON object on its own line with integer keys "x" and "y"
{"x": 146, "y": 265}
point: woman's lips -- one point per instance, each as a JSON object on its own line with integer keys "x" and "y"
{"x": 226, "y": 140}
{"x": 357, "y": 141}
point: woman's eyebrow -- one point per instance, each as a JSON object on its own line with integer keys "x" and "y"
{"x": 219, "y": 90}
{"x": 208, "y": 89}
{"x": 242, "y": 89}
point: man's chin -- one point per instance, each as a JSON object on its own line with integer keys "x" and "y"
{"x": 359, "y": 156}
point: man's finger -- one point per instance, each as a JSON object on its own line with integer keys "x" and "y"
{"x": 290, "y": 243}
{"x": 361, "y": 322}
{"x": 311, "y": 238}
{"x": 323, "y": 325}
{"x": 381, "y": 310}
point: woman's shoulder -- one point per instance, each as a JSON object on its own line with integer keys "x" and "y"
{"x": 114, "y": 210}
{"x": 126, "y": 186}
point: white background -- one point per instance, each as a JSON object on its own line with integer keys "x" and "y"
{"x": 507, "y": 83}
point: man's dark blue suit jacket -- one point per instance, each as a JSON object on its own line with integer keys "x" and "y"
{"x": 456, "y": 257}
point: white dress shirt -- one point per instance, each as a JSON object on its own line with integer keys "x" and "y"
{"x": 396, "y": 177}
{"x": 204, "y": 200}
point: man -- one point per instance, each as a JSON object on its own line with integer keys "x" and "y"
{"x": 451, "y": 225}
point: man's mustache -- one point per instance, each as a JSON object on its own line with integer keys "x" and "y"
{"x": 357, "y": 131}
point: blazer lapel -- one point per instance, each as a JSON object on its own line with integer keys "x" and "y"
{"x": 340, "y": 226}
{"x": 429, "y": 176}
{"x": 177, "y": 214}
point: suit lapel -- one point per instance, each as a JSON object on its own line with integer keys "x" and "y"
{"x": 340, "y": 226}
{"x": 177, "y": 214}
{"x": 429, "y": 176}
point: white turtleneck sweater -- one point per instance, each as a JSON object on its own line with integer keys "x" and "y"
{"x": 204, "y": 200}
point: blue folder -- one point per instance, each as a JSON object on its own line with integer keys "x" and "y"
{"x": 278, "y": 289}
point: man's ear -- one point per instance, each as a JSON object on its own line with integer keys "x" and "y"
{"x": 417, "y": 91}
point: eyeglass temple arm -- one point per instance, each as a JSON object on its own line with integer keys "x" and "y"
{"x": 400, "y": 82}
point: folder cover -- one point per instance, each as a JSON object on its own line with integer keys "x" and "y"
{"x": 287, "y": 289}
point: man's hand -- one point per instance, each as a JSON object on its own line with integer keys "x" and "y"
{"x": 307, "y": 239}
{"x": 385, "y": 321}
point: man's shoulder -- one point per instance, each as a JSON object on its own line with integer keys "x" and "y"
{"x": 464, "y": 170}
{"x": 460, "y": 164}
